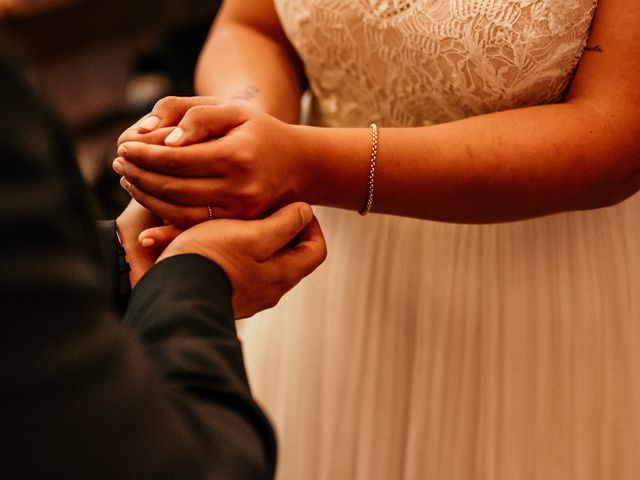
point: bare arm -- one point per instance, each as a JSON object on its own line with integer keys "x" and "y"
{"x": 580, "y": 154}
{"x": 248, "y": 57}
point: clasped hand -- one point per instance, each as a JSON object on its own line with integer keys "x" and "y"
{"x": 192, "y": 152}
{"x": 263, "y": 259}
{"x": 217, "y": 155}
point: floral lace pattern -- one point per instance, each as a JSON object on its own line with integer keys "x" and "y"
{"x": 421, "y": 62}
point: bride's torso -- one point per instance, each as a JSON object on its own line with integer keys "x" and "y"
{"x": 419, "y": 62}
{"x": 465, "y": 351}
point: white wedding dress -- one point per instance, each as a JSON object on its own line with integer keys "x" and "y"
{"x": 424, "y": 350}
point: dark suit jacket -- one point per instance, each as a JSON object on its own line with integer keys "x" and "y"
{"x": 82, "y": 395}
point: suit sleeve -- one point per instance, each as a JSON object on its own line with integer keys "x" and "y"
{"x": 181, "y": 311}
{"x": 163, "y": 396}
{"x": 116, "y": 267}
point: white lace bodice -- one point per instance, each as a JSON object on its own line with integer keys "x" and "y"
{"x": 420, "y": 62}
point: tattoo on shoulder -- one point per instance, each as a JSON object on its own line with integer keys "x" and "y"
{"x": 248, "y": 93}
{"x": 593, "y": 48}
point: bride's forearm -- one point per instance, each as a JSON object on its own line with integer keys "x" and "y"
{"x": 510, "y": 165}
{"x": 500, "y": 167}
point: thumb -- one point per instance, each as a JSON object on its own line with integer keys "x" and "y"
{"x": 277, "y": 230}
{"x": 158, "y": 237}
{"x": 168, "y": 111}
{"x": 203, "y": 122}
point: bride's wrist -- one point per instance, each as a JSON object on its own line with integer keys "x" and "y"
{"x": 334, "y": 165}
{"x": 305, "y": 187}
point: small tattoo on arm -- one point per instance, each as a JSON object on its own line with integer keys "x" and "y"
{"x": 248, "y": 93}
{"x": 593, "y": 48}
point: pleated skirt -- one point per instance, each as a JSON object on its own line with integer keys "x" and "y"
{"x": 424, "y": 350}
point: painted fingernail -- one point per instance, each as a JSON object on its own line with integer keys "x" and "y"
{"x": 124, "y": 183}
{"x": 122, "y": 151}
{"x": 174, "y": 137}
{"x": 117, "y": 166}
{"x": 147, "y": 242}
{"x": 149, "y": 123}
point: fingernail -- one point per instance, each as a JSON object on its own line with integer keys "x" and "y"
{"x": 147, "y": 242}
{"x": 174, "y": 137}
{"x": 124, "y": 183}
{"x": 117, "y": 166}
{"x": 122, "y": 151}
{"x": 149, "y": 123}
{"x": 306, "y": 213}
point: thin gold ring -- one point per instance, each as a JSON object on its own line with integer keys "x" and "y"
{"x": 210, "y": 210}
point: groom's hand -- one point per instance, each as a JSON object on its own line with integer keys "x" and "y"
{"x": 131, "y": 222}
{"x": 263, "y": 259}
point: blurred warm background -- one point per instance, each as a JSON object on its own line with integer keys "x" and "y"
{"x": 102, "y": 64}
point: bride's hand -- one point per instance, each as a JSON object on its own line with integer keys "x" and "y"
{"x": 154, "y": 127}
{"x": 241, "y": 162}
